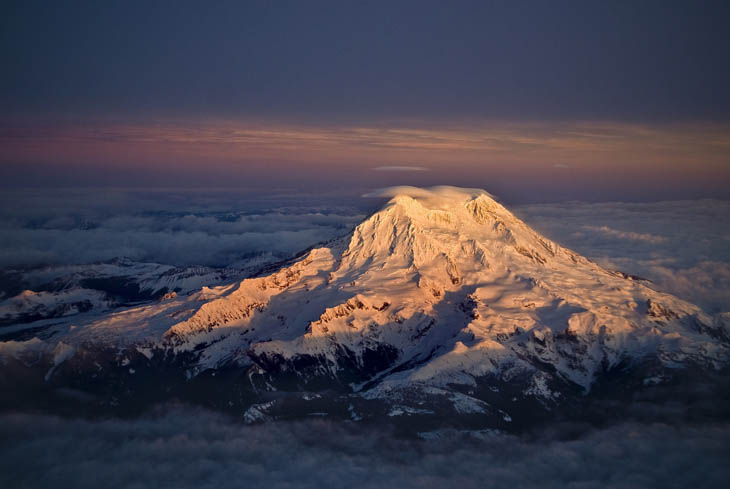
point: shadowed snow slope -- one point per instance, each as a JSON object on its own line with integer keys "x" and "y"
{"x": 441, "y": 288}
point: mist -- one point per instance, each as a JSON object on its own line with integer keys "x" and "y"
{"x": 183, "y": 447}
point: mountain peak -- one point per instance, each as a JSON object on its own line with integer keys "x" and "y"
{"x": 441, "y": 197}
{"x": 452, "y": 206}
{"x": 446, "y": 286}
{"x": 442, "y": 297}
{"x": 459, "y": 228}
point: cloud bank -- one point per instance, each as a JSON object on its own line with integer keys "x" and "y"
{"x": 204, "y": 229}
{"x": 682, "y": 246}
{"x": 183, "y": 448}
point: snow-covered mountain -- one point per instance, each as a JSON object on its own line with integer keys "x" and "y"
{"x": 442, "y": 303}
{"x": 60, "y": 293}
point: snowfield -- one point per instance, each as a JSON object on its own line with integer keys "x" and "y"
{"x": 442, "y": 295}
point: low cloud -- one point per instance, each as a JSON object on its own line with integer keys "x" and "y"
{"x": 162, "y": 227}
{"x": 681, "y": 246}
{"x": 192, "y": 448}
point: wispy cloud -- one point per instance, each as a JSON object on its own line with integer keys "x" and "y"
{"x": 575, "y": 145}
{"x": 630, "y": 235}
{"x": 401, "y": 168}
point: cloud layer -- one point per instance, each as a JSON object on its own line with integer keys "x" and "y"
{"x": 683, "y": 246}
{"x": 208, "y": 229}
{"x": 190, "y": 448}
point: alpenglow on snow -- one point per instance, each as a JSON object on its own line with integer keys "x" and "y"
{"x": 441, "y": 305}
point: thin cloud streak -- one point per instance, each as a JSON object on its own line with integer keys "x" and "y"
{"x": 606, "y": 161}
{"x": 401, "y": 168}
{"x": 578, "y": 144}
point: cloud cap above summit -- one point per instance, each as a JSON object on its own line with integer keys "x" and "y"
{"x": 431, "y": 196}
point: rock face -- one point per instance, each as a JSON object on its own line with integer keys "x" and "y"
{"x": 441, "y": 302}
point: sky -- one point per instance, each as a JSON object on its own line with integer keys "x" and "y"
{"x": 534, "y": 101}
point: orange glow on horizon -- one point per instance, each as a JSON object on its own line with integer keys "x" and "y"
{"x": 591, "y": 148}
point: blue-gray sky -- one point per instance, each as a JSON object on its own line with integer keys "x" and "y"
{"x": 649, "y": 60}
{"x": 533, "y": 100}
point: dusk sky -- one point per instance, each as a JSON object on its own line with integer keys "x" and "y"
{"x": 534, "y": 101}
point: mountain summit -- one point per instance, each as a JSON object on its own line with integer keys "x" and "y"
{"x": 445, "y": 287}
{"x": 440, "y": 303}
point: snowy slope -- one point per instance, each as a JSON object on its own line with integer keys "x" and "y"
{"x": 61, "y": 295}
{"x": 437, "y": 295}
{"x": 444, "y": 286}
